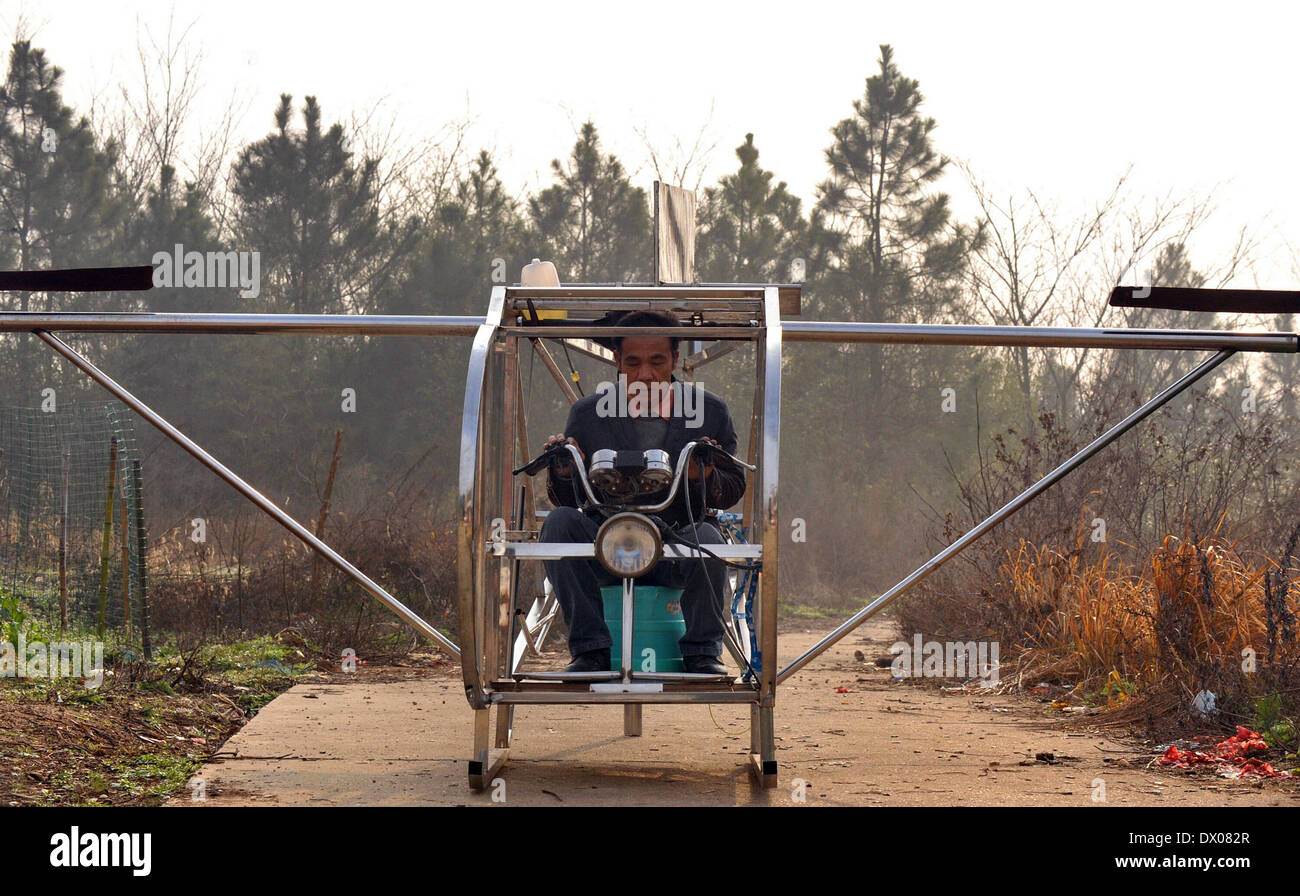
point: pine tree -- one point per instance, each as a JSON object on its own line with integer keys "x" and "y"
{"x": 58, "y": 206}
{"x": 904, "y": 247}
{"x": 172, "y": 214}
{"x": 749, "y": 229}
{"x": 313, "y": 212}
{"x": 592, "y": 222}
{"x": 475, "y": 240}
{"x": 893, "y": 252}
{"x": 881, "y": 247}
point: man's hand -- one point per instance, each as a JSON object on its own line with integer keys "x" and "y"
{"x": 564, "y": 468}
{"x": 694, "y": 471}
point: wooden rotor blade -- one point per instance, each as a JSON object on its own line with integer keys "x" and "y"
{"x": 1179, "y": 298}
{"x": 79, "y": 280}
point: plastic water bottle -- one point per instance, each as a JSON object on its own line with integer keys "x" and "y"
{"x": 541, "y": 273}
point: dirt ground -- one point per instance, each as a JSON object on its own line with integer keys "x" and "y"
{"x": 136, "y": 736}
{"x": 393, "y": 737}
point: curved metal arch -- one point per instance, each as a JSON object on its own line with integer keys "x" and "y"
{"x": 768, "y": 503}
{"x": 471, "y": 536}
{"x": 762, "y": 726}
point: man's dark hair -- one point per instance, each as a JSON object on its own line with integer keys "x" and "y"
{"x": 646, "y": 319}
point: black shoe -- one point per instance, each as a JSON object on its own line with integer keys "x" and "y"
{"x": 590, "y": 661}
{"x": 704, "y": 665}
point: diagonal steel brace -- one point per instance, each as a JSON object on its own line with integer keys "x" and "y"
{"x": 1006, "y": 510}
{"x": 252, "y": 494}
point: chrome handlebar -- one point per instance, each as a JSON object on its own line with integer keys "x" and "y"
{"x": 683, "y": 463}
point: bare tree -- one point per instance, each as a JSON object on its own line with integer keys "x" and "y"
{"x": 416, "y": 174}
{"x": 1024, "y": 273}
{"x": 1040, "y": 269}
{"x": 152, "y": 120}
{"x": 678, "y": 163}
{"x": 23, "y": 28}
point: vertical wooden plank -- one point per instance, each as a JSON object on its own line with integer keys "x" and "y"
{"x": 674, "y": 234}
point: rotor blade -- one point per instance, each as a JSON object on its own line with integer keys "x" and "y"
{"x": 1179, "y": 298}
{"x": 79, "y": 279}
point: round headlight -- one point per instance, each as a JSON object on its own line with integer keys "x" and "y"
{"x": 628, "y": 545}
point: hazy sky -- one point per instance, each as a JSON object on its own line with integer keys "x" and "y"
{"x": 1060, "y": 98}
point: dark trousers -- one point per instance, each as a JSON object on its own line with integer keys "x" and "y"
{"x": 577, "y": 582}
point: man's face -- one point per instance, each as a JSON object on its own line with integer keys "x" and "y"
{"x": 646, "y": 359}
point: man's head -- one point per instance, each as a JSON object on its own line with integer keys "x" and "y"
{"x": 646, "y": 359}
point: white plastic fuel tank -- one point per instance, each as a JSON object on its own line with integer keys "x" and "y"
{"x": 541, "y": 273}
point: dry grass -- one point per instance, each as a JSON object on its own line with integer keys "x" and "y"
{"x": 1195, "y": 617}
{"x": 1139, "y": 621}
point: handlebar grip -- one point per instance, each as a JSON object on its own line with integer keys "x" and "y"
{"x": 707, "y": 455}
{"x": 535, "y": 466}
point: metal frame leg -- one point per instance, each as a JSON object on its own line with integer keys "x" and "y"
{"x": 762, "y": 746}
{"x": 487, "y": 760}
{"x": 629, "y": 605}
{"x": 505, "y": 725}
{"x": 631, "y": 719}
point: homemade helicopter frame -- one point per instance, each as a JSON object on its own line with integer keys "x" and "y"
{"x": 495, "y": 632}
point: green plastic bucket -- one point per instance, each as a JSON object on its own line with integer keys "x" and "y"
{"x": 659, "y": 625}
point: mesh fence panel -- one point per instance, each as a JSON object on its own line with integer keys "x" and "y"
{"x": 71, "y": 516}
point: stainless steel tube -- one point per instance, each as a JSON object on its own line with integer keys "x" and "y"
{"x": 167, "y": 322}
{"x": 1046, "y": 337}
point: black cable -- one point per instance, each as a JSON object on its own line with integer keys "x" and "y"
{"x": 734, "y": 564}
{"x": 602, "y": 507}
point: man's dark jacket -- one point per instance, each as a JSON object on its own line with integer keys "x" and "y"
{"x": 723, "y": 487}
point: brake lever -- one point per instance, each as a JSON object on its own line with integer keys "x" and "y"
{"x": 536, "y": 465}
{"x": 708, "y": 455}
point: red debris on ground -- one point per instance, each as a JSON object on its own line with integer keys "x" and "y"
{"x": 1235, "y": 756}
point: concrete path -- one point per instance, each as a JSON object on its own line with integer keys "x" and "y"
{"x": 376, "y": 741}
